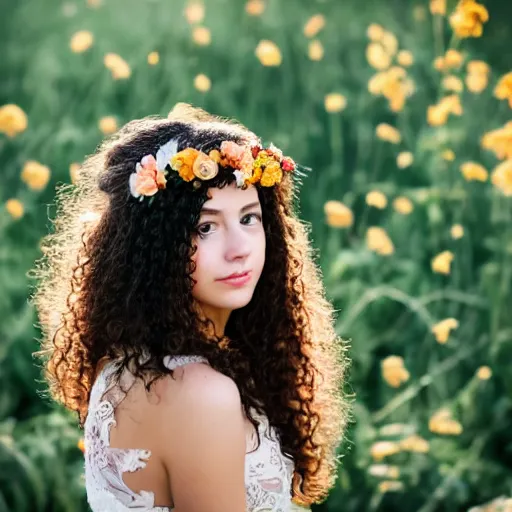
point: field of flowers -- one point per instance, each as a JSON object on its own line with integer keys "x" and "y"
{"x": 402, "y": 109}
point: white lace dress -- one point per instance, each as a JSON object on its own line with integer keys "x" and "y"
{"x": 267, "y": 471}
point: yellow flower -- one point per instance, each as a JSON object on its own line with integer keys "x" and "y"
{"x": 394, "y": 372}
{"x": 183, "y": 162}
{"x": 81, "y": 41}
{"x": 438, "y": 7}
{"x": 194, "y": 12}
{"x": 499, "y": 141}
{"x": 502, "y": 177}
{"x": 451, "y": 60}
{"x": 442, "y": 329}
{"x": 448, "y": 155}
{"x": 108, "y": 125}
{"x": 404, "y": 159}
{"x": 271, "y": 175}
{"x": 394, "y": 85}
{"x": 335, "y": 102}
{"x": 457, "y": 231}
{"x": 389, "y": 42}
{"x": 484, "y": 373}
{"x": 153, "y": 58}
{"x": 388, "y": 133}
{"x": 468, "y": 18}
{"x": 117, "y": 65}
{"x": 15, "y": 208}
{"x": 442, "y": 262}
{"x": 201, "y": 36}
{"x": 338, "y": 215}
{"x": 390, "y": 486}
{"x": 375, "y": 32}
{"x": 204, "y": 167}
{"x": 74, "y": 170}
{"x": 268, "y": 53}
{"x": 376, "y": 199}
{"x": 377, "y": 56}
{"x": 437, "y": 115}
{"x": 255, "y": 7}
{"x": 405, "y": 58}
{"x": 316, "y": 50}
{"x": 415, "y": 443}
{"x": 382, "y": 449}
{"x": 503, "y": 89}
{"x": 473, "y": 171}
{"x": 202, "y": 83}
{"x": 81, "y": 445}
{"x": 378, "y": 240}
{"x": 13, "y": 120}
{"x": 442, "y": 423}
{"x": 384, "y": 470}
{"x": 453, "y": 83}
{"x": 35, "y": 175}
{"x": 476, "y": 82}
{"x": 314, "y": 25}
{"x": 478, "y": 67}
{"x": 403, "y": 205}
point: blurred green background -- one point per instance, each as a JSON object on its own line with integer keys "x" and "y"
{"x": 409, "y": 201}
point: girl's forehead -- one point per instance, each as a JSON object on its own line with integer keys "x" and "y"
{"x": 230, "y": 197}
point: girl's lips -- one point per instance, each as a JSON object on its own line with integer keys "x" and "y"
{"x": 237, "y": 280}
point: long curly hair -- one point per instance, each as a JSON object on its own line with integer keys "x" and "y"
{"x": 115, "y": 281}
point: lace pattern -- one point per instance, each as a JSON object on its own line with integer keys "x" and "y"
{"x": 268, "y": 472}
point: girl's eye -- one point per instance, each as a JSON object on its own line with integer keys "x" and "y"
{"x": 249, "y": 215}
{"x": 202, "y": 232}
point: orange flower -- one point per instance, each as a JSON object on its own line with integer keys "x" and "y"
{"x": 271, "y": 175}
{"x": 499, "y": 141}
{"x": 502, "y": 177}
{"x": 183, "y": 162}
{"x": 473, "y": 171}
{"x": 81, "y": 445}
{"x": 468, "y": 19}
{"x": 335, "y": 102}
{"x": 255, "y": 7}
{"x": 338, "y": 215}
{"x": 13, "y": 120}
{"x": 442, "y": 262}
{"x": 378, "y": 240}
{"x": 394, "y": 371}
{"x": 442, "y": 329}
{"x": 268, "y": 53}
{"x": 35, "y": 175}
{"x": 503, "y": 89}
{"x": 15, "y": 208}
{"x": 314, "y": 25}
{"x": 147, "y": 179}
{"x": 81, "y": 41}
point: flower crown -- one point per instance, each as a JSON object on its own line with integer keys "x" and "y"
{"x": 251, "y": 163}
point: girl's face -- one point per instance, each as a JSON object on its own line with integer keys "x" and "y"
{"x": 230, "y": 240}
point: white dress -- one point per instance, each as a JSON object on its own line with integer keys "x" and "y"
{"x": 268, "y": 472}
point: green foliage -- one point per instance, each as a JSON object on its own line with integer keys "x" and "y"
{"x": 386, "y": 304}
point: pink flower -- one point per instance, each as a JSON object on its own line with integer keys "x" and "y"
{"x": 147, "y": 179}
{"x": 287, "y": 164}
{"x": 232, "y": 152}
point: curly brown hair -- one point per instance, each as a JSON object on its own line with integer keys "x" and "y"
{"x": 115, "y": 281}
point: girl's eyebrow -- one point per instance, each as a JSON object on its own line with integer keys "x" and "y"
{"x": 212, "y": 211}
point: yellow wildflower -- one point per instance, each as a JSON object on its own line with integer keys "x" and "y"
{"x": 442, "y": 329}
{"x": 403, "y": 205}
{"x": 118, "y": 66}
{"x": 194, "y": 12}
{"x": 388, "y": 133}
{"x": 271, "y": 175}
{"x": 338, "y": 215}
{"x": 81, "y": 41}
{"x": 255, "y": 7}
{"x": 74, "y": 169}
{"x": 503, "y": 89}
{"x": 382, "y": 449}
{"x": 375, "y": 32}
{"x": 478, "y": 66}
{"x": 314, "y": 25}
{"x": 390, "y": 486}
{"x": 153, "y": 58}
{"x": 376, "y": 199}
{"x": 415, "y": 443}
{"x": 457, "y": 231}
{"x": 377, "y": 56}
{"x": 451, "y": 60}
{"x": 201, "y": 36}
{"x": 13, "y": 120}
{"x": 438, "y": 7}
{"x": 437, "y": 115}
{"x": 393, "y": 85}
{"x": 15, "y": 208}
{"x": 183, "y": 162}
{"x": 476, "y": 83}
{"x": 35, "y": 175}
{"x": 394, "y": 371}
{"x": 442, "y": 423}
{"x": 108, "y": 125}
{"x": 501, "y": 177}
{"x": 316, "y": 50}
{"x": 404, "y": 159}
{"x": 442, "y": 262}
{"x": 484, "y": 373}
{"x": 378, "y": 240}
{"x": 453, "y": 83}
{"x": 268, "y": 53}
{"x": 468, "y": 18}
{"x": 405, "y": 58}
{"x": 384, "y": 470}
{"x": 202, "y": 83}
{"x": 81, "y": 445}
{"x": 335, "y": 102}
{"x": 499, "y": 141}
{"x": 474, "y": 171}
{"x": 448, "y": 155}
{"x": 389, "y": 42}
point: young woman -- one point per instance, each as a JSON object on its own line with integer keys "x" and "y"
{"x": 184, "y": 320}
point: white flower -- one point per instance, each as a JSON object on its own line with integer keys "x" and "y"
{"x": 165, "y": 153}
{"x": 240, "y": 177}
